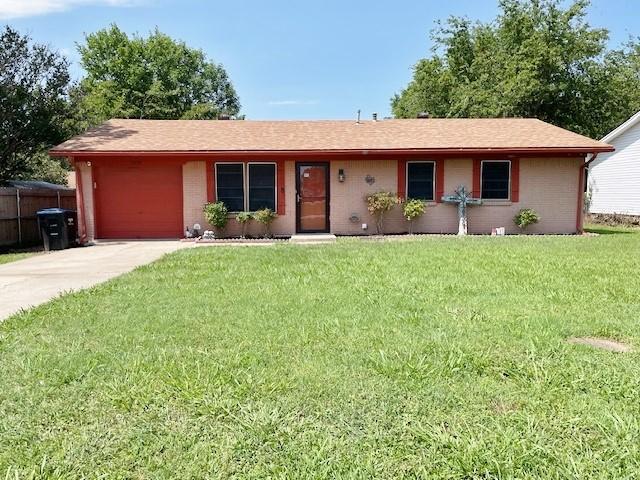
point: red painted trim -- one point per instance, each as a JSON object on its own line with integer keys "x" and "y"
{"x": 92, "y": 184}
{"x": 95, "y": 181}
{"x": 402, "y": 179}
{"x": 211, "y": 174}
{"x": 280, "y": 185}
{"x": 477, "y": 165}
{"x": 439, "y": 179}
{"x": 515, "y": 180}
{"x": 381, "y": 153}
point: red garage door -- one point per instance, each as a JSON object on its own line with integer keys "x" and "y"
{"x": 138, "y": 199}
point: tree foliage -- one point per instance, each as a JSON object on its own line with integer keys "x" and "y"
{"x": 34, "y": 82}
{"x": 154, "y": 77}
{"x": 536, "y": 59}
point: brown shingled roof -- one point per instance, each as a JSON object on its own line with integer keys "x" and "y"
{"x": 434, "y": 135}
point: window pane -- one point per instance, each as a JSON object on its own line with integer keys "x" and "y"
{"x": 230, "y": 186}
{"x": 420, "y": 180}
{"x": 262, "y": 186}
{"x": 495, "y": 180}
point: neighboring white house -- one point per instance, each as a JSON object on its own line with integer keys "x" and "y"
{"x": 614, "y": 177}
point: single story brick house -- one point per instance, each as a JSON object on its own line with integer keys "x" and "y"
{"x": 151, "y": 178}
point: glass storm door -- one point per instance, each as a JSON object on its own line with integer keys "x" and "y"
{"x": 312, "y": 194}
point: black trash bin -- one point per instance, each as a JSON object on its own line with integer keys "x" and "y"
{"x": 58, "y": 228}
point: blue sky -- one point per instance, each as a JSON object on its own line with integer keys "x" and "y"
{"x": 304, "y": 59}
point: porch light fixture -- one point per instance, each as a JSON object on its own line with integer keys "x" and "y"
{"x": 341, "y": 176}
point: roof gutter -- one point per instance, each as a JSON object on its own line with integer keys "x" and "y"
{"x": 337, "y": 152}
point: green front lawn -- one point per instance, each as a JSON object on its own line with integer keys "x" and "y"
{"x": 433, "y": 358}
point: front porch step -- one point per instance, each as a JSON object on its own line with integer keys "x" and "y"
{"x": 313, "y": 238}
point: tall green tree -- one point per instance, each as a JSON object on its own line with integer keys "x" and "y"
{"x": 536, "y": 59}
{"x": 34, "y": 82}
{"x": 154, "y": 77}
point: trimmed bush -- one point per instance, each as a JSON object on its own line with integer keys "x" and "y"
{"x": 266, "y": 216}
{"x": 379, "y": 204}
{"x": 526, "y": 217}
{"x": 216, "y": 215}
{"x": 412, "y": 209}
{"x": 243, "y": 218}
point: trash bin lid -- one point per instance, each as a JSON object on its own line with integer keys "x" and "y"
{"x": 52, "y": 211}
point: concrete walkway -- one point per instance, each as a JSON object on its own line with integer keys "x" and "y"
{"x": 38, "y": 279}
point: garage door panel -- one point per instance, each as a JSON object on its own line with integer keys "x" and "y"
{"x": 139, "y": 199}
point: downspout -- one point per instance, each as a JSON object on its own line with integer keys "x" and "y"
{"x": 82, "y": 231}
{"x": 579, "y": 212}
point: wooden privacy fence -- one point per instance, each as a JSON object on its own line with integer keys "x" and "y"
{"x": 18, "y": 207}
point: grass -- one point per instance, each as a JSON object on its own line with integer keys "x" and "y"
{"x": 610, "y": 229}
{"x": 12, "y": 257}
{"x": 433, "y": 358}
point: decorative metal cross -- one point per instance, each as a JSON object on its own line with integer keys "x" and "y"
{"x": 463, "y": 198}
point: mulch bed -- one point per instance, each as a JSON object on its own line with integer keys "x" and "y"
{"x": 235, "y": 240}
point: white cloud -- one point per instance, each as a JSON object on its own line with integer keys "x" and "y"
{"x": 281, "y": 103}
{"x": 29, "y": 8}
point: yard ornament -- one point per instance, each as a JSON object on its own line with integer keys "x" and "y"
{"x": 462, "y": 198}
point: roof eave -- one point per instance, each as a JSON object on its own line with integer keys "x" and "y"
{"x": 395, "y": 152}
{"x": 615, "y": 133}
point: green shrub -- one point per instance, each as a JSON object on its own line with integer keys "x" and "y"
{"x": 380, "y": 203}
{"x": 526, "y": 217}
{"x": 265, "y": 216}
{"x": 243, "y": 218}
{"x": 216, "y": 215}
{"x": 412, "y": 209}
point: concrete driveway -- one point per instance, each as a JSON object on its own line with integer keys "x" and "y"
{"x": 38, "y": 279}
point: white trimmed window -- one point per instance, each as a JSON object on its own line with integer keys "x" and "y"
{"x": 248, "y": 187}
{"x": 495, "y": 180}
{"x": 421, "y": 180}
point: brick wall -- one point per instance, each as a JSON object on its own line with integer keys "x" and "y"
{"x": 548, "y": 185}
{"x": 194, "y": 178}
{"x": 86, "y": 177}
{"x": 194, "y": 191}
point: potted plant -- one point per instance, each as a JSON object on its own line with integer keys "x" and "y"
{"x": 526, "y": 217}
{"x": 379, "y": 204}
{"x": 243, "y": 218}
{"x": 266, "y": 216}
{"x": 216, "y": 215}
{"x": 412, "y": 209}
